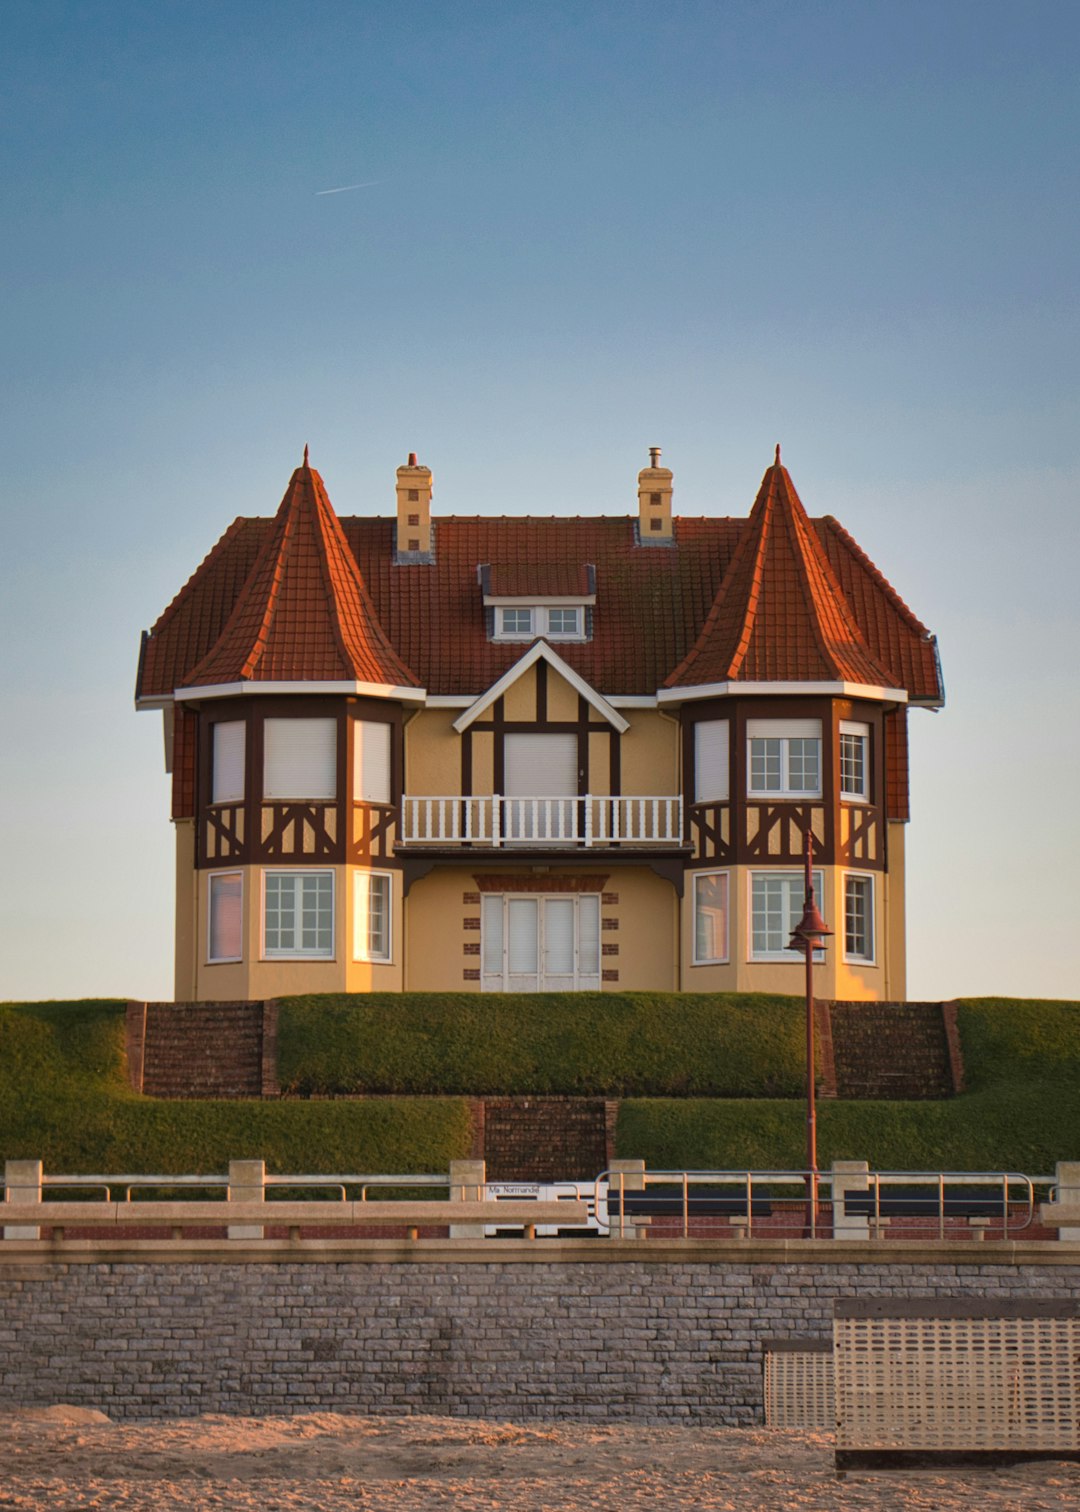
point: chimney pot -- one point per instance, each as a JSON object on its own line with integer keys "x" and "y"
{"x": 412, "y": 459}
{"x": 654, "y": 456}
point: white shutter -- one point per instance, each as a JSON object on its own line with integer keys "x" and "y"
{"x": 783, "y": 729}
{"x": 491, "y": 920}
{"x": 228, "y": 779}
{"x": 711, "y": 778}
{"x": 559, "y": 937}
{"x": 521, "y": 932}
{"x": 371, "y": 762}
{"x": 589, "y": 935}
{"x": 540, "y": 766}
{"x": 300, "y": 758}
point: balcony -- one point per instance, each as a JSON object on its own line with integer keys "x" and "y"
{"x": 587, "y": 823}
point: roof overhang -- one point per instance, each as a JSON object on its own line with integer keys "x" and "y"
{"x": 788, "y": 689}
{"x": 541, "y": 651}
{"x": 342, "y": 689}
{"x": 544, "y": 600}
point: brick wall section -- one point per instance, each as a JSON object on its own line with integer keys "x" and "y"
{"x": 196, "y": 1050}
{"x": 547, "y": 1138}
{"x": 892, "y": 1050}
{"x": 673, "y": 1340}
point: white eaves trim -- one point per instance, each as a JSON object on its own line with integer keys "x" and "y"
{"x": 828, "y": 689}
{"x": 365, "y": 689}
{"x": 157, "y": 701}
{"x": 541, "y": 649}
{"x": 532, "y": 600}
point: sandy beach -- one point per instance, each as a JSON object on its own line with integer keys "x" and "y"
{"x": 72, "y": 1458}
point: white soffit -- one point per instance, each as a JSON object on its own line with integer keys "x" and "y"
{"x": 537, "y": 651}
{"x": 365, "y": 689}
{"x": 738, "y": 689}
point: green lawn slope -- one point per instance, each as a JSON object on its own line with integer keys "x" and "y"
{"x": 706, "y": 1082}
{"x": 64, "y": 1098}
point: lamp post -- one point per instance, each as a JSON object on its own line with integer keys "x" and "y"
{"x": 810, "y": 934}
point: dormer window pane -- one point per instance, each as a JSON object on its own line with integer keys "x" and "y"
{"x": 564, "y": 621}
{"x": 515, "y": 621}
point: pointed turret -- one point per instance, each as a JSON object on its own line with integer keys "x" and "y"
{"x": 304, "y": 613}
{"x": 780, "y": 614}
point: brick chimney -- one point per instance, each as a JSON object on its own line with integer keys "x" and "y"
{"x": 414, "y": 541}
{"x": 654, "y": 503}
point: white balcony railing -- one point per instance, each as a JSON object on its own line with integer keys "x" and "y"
{"x": 588, "y": 821}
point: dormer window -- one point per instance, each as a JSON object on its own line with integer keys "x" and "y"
{"x": 556, "y": 622}
{"x": 514, "y": 624}
{"x": 526, "y": 600}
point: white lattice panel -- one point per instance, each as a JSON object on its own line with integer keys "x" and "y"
{"x": 799, "y": 1389}
{"x": 957, "y": 1383}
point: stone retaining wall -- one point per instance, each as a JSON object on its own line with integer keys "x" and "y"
{"x": 570, "y": 1334}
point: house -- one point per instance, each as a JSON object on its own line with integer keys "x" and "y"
{"x": 489, "y": 753}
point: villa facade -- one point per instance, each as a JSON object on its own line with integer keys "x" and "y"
{"x": 535, "y": 754}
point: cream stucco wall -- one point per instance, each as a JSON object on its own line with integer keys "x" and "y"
{"x": 435, "y": 933}
{"x": 650, "y": 754}
{"x": 433, "y": 754}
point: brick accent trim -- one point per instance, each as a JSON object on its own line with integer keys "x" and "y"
{"x": 540, "y": 884}
{"x": 952, "y": 1041}
{"x": 135, "y": 1043}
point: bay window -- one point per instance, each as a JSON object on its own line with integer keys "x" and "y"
{"x": 776, "y": 906}
{"x": 298, "y": 914}
{"x": 859, "y": 918}
{"x": 784, "y": 758}
{"x": 710, "y": 918}
{"x": 854, "y": 761}
{"x": 225, "y": 933}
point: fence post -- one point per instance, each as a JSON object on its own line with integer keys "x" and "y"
{"x": 630, "y": 1177}
{"x": 22, "y": 1183}
{"x": 1067, "y": 1177}
{"x": 468, "y": 1179}
{"x": 247, "y": 1183}
{"x": 849, "y": 1176}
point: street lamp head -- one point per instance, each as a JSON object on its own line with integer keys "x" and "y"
{"x": 811, "y": 929}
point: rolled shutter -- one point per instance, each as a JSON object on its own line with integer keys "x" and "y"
{"x": 541, "y": 766}
{"x": 371, "y": 761}
{"x": 227, "y": 785}
{"x": 300, "y": 758}
{"x": 711, "y": 761}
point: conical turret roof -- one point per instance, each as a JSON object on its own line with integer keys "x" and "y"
{"x": 304, "y": 613}
{"x": 779, "y": 614}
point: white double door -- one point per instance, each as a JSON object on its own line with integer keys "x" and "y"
{"x": 540, "y": 943}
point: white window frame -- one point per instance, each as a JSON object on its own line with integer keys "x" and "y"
{"x": 871, "y": 928}
{"x": 297, "y": 952}
{"x": 212, "y": 877}
{"x": 784, "y": 956}
{"x": 539, "y": 622}
{"x": 362, "y": 889}
{"x": 541, "y": 899}
{"x": 850, "y": 727}
{"x": 784, "y": 731}
{"x": 715, "y": 960}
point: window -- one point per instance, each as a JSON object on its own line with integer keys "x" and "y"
{"x": 298, "y": 914}
{"x": 300, "y": 758}
{"x": 784, "y": 758}
{"x": 710, "y": 917}
{"x": 565, "y": 622}
{"x": 711, "y": 740}
{"x": 371, "y": 761}
{"x": 226, "y": 931}
{"x": 854, "y": 761}
{"x": 776, "y": 906}
{"x": 515, "y": 622}
{"x": 371, "y": 924}
{"x": 561, "y": 622}
{"x": 540, "y": 783}
{"x": 536, "y": 943}
{"x": 227, "y": 782}
{"x": 858, "y": 918}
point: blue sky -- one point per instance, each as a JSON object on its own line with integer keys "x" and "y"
{"x": 849, "y": 227}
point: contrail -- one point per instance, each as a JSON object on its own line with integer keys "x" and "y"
{"x": 370, "y": 184}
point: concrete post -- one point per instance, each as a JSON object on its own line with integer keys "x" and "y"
{"x": 1067, "y": 1176}
{"x": 849, "y": 1176}
{"x": 468, "y": 1179}
{"x": 247, "y": 1183}
{"x": 22, "y": 1183}
{"x": 626, "y": 1176}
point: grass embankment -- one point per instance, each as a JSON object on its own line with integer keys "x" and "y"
{"x": 1021, "y": 1110}
{"x": 64, "y": 1098}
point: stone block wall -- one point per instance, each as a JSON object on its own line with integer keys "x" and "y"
{"x": 666, "y": 1339}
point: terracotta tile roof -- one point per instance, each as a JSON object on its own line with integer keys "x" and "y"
{"x": 304, "y": 612}
{"x": 812, "y": 591}
{"x": 538, "y": 580}
{"x": 780, "y": 614}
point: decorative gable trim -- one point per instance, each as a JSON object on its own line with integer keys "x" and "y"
{"x": 540, "y": 650}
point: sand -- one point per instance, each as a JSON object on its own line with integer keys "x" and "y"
{"x": 70, "y": 1458}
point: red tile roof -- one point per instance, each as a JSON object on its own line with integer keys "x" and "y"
{"x": 303, "y": 613}
{"x": 780, "y": 614}
{"x": 293, "y": 605}
{"x": 537, "y": 580}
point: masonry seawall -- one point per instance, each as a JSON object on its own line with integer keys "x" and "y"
{"x": 528, "y": 1333}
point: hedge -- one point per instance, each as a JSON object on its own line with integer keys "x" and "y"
{"x": 611, "y": 1044}
{"x": 64, "y": 1098}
